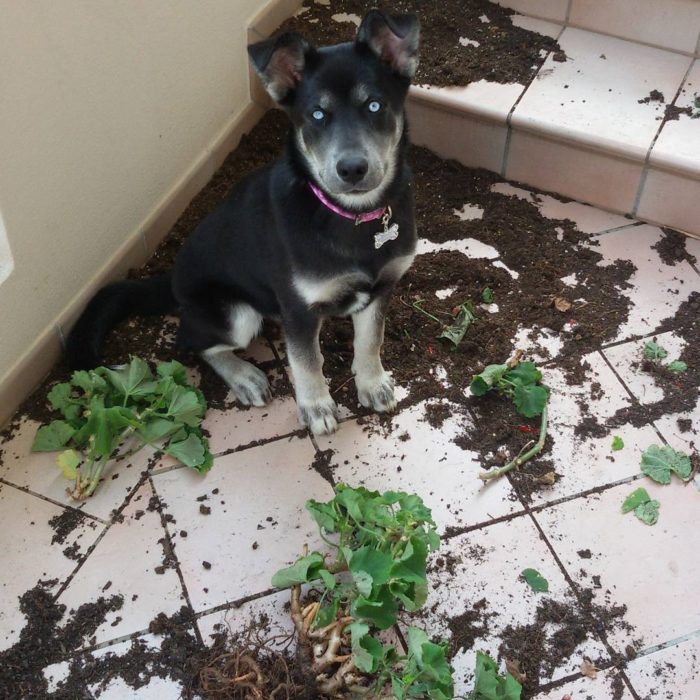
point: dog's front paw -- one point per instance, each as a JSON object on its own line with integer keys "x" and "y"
{"x": 376, "y": 393}
{"x": 250, "y": 386}
{"x": 321, "y": 417}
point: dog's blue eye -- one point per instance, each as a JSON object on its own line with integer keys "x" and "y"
{"x": 374, "y": 106}
{"x": 318, "y": 114}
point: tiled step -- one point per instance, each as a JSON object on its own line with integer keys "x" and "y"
{"x": 584, "y": 128}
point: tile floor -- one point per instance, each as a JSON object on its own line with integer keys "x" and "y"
{"x": 263, "y": 473}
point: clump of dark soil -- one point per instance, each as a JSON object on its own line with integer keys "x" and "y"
{"x": 469, "y": 626}
{"x": 505, "y": 53}
{"x": 322, "y": 465}
{"x": 64, "y": 523}
{"x": 672, "y": 249}
{"x": 673, "y": 113}
{"x": 653, "y": 96}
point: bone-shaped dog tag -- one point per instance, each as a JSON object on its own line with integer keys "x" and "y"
{"x": 389, "y": 233}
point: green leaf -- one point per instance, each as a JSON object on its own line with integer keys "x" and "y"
{"x": 635, "y": 499}
{"x": 659, "y": 462}
{"x": 184, "y": 406}
{"x": 455, "y": 332}
{"x": 481, "y": 383}
{"x": 52, "y": 437}
{"x": 380, "y": 611}
{"x": 530, "y": 400}
{"x": 158, "y": 428}
{"x": 653, "y": 351}
{"x": 173, "y": 369}
{"x": 487, "y": 295}
{"x": 366, "y": 651}
{"x": 677, "y": 366}
{"x": 489, "y": 685}
{"x": 89, "y": 382}
{"x": 617, "y": 443}
{"x": 68, "y": 461}
{"x": 648, "y": 512}
{"x": 325, "y": 615}
{"x": 328, "y": 579}
{"x": 535, "y": 580}
{"x": 191, "y": 451}
{"x": 324, "y": 514}
{"x": 127, "y": 380}
{"x": 303, "y": 570}
{"x": 375, "y": 563}
{"x": 525, "y": 372}
{"x": 61, "y": 400}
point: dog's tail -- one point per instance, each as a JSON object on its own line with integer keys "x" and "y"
{"x": 114, "y": 303}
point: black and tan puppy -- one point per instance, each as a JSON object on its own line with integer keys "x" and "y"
{"x": 326, "y": 230}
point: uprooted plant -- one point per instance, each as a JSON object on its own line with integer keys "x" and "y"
{"x": 375, "y": 570}
{"x": 521, "y": 382}
{"x": 104, "y": 408}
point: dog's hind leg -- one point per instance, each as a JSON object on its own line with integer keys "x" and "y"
{"x": 375, "y": 388}
{"x": 248, "y": 383}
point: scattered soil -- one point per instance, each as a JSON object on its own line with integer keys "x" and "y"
{"x": 505, "y": 53}
{"x": 673, "y": 112}
{"x": 467, "y": 628}
{"x": 44, "y": 642}
{"x": 672, "y": 249}
{"x": 557, "y": 630}
{"x": 653, "y": 96}
{"x": 322, "y": 465}
{"x": 64, "y": 523}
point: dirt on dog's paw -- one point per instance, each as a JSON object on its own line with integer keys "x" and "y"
{"x": 377, "y": 394}
{"x": 321, "y": 417}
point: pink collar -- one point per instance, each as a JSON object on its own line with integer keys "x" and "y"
{"x": 357, "y": 218}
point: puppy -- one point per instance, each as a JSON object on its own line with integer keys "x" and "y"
{"x": 326, "y": 230}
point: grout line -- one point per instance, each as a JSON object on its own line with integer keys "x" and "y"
{"x": 576, "y": 591}
{"x": 117, "y": 511}
{"x": 457, "y": 532}
{"x": 635, "y": 400}
{"x": 623, "y": 227}
{"x": 65, "y": 506}
{"x": 239, "y": 602}
{"x": 670, "y": 643}
{"x": 509, "y": 116}
{"x": 645, "y": 167}
{"x": 584, "y": 494}
{"x": 175, "y": 560}
{"x": 568, "y": 12}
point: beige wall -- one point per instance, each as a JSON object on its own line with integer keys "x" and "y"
{"x": 103, "y": 106}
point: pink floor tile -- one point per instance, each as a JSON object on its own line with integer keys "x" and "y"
{"x": 29, "y": 554}
{"x": 606, "y": 685}
{"x": 647, "y": 568}
{"x": 480, "y": 571}
{"x": 257, "y": 522}
{"x": 628, "y": 359}
{"x": 410, "y": 455}
{"x": 127, "y": 561}
{"x": 593, "y": 97}
{"x": 672, "y": 672}
{"x": 657, "y": 289}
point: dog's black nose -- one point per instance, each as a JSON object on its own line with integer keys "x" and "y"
{"x": 352, "y": 168}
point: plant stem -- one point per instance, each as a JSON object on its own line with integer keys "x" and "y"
{"x": 522, "y": 458}
{"x": 417, "y": 307}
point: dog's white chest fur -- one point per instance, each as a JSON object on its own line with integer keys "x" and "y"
{"x": 348, "y": 291}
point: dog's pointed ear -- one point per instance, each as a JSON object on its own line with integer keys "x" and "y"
{"x": 280, "y": 63}
{"x": 393, "y": 39}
